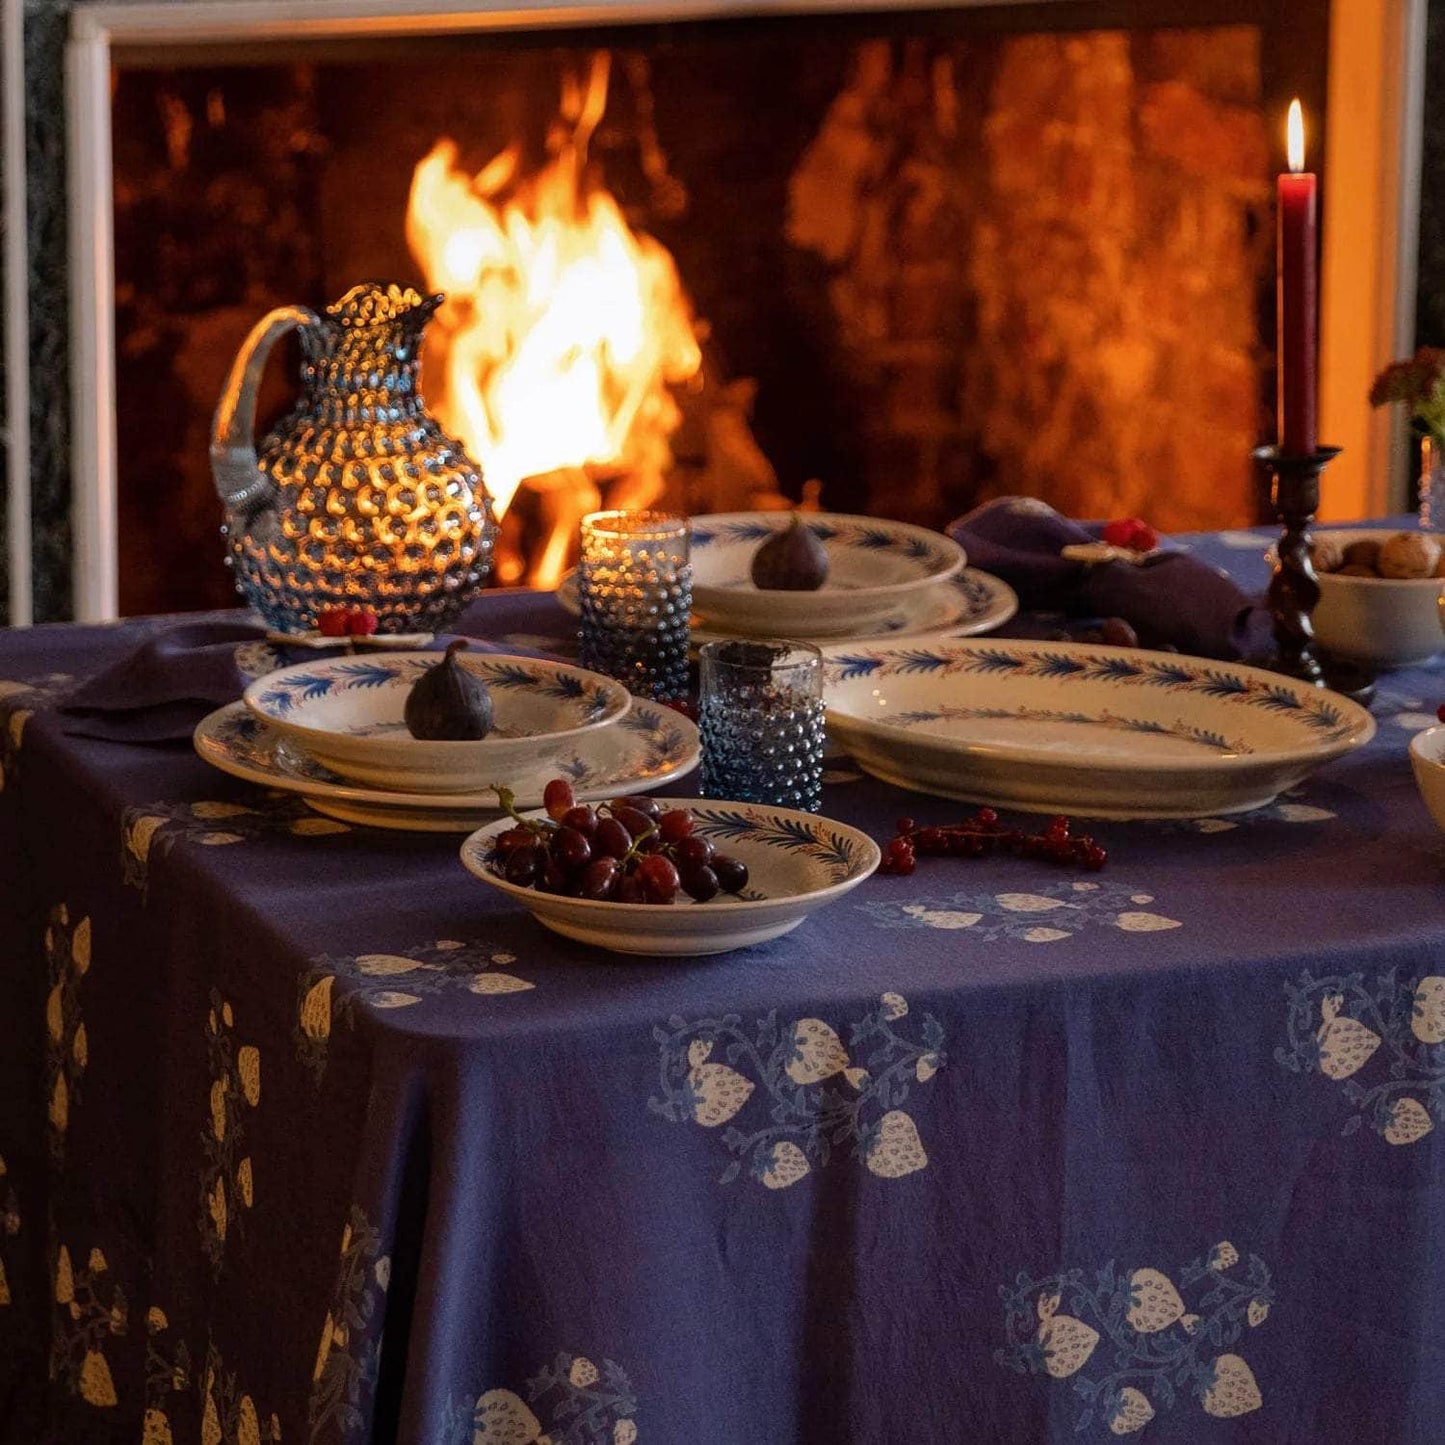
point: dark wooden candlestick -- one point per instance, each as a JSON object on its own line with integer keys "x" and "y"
{"x": 1294, "y": 589}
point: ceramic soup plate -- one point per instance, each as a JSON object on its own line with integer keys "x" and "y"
{"x": 797, "y": 863}
{"x": 873, "y": 566}
{"x": 346, "y": 713}
{"x": 1103, "y": 732}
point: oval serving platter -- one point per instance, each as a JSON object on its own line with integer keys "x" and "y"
{"x": 797, "y": 863}
{"x": 1067, "y": 727}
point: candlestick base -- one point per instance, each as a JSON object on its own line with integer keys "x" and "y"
{"x": 1294, "y": 590}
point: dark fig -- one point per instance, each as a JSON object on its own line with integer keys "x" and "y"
{"x": 448, "y": 703}
{"x": 792, "y": 560}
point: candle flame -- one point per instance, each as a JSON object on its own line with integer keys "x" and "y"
{"x": 1296, "y": 134}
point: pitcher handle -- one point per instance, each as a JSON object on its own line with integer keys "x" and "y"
{"x": 238, "y": 475}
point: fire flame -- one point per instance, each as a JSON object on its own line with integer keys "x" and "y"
{"x": 563, "y": 327}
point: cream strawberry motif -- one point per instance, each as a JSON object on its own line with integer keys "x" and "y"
{"x": 1233, "y": 1389}
{"x": 1156, "y": 1303}
{"x": 785, "y": 1165}
{"x": 1132, "y": 1411}
{"x": 502, "y": 1418}
{"x": 581, "y": 1401}
{"x": 1408, "y": 1121}
{"x": 895, "y": 1148}
{"x": 718, "y": 1092}
{"x": 1427, "y": 1016}
{"x": 1345, "y": 1043}
{"x": 228, "y": 1176}
{"x": 1067, "y": 1342}
{"x": 818, "y": 1053}
{"x": 67, "y": 1047}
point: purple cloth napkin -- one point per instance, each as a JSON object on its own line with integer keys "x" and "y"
{"x": 1172, "y": 599}
{"x": 161, "y": 690}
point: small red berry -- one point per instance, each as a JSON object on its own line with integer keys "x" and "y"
{"x": 906, "y": 826}
{"x": 1440, "y": 712}
{"x": 331, "y": 621}
{"x": 1131, "y": 532}
{"x": 987, "y": 817}
{"x": 361, "y": 622}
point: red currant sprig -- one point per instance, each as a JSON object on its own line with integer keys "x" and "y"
{"x": 983, "y": 836}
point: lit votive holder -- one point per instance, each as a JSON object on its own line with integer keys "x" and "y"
{"x": 761, "y": 716}
{"x": 635, "y": 592}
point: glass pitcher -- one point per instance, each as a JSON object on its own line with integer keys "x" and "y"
{"x": 357, "y": 497}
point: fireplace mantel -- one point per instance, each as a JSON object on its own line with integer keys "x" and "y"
{"x": 1375, "y": 97}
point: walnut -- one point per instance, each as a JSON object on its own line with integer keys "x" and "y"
{"x": 1363, "y": 553}
{"x": 1409, "y": 554}
{"x": 1327, "y": 554}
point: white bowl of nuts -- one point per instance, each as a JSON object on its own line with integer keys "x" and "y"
{"x": 1379, "y": 595}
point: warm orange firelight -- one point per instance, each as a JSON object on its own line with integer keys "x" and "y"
{"x": 564, "y": 329}
{"x": 1295, "y": 131}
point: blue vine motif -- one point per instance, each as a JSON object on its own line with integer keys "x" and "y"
{"x": 812, "y": 837}
{"x": 585, "y": 1405}
{"x": 1391, "y": 1032}
{"x": 820, "y": 1094}
{"x": 1077, "y": 665}
{"x": 1157, "y": 1344}
{"x": 1184, "y": 732}
{"x": 1054, "y": 914}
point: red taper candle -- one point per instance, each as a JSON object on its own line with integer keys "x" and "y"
{"x": 1297, "y": 290}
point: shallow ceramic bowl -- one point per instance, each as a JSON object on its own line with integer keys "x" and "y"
{"x": 1384, "y": 621}
{"x": 797, "y": 863}
{"x": 1427, "y": 758}
{"x": 1073, "y": 728}
{"x": 873, "y": 566}
{"x": 346, "y": 713}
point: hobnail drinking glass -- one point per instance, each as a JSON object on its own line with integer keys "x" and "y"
{"x": 635, "y": 591}
{"x": 761, "y": 716}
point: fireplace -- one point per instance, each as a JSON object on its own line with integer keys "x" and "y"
{"x": 896, "y": 261}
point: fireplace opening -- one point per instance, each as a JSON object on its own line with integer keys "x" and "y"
{"x": 896, "y": 264}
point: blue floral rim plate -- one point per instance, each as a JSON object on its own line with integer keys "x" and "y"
{"x": 650, "y": 747}
{"x": 873, "y": 566}
{"x": 797, "y": 863}
{"x": 347, "y": 713}
{"x": 1109, "y": 732}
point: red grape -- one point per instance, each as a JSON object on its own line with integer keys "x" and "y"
{"x": 523, "y": 865}
{"x": 732, "y": 873}
{"x": 629, "y": 890}
{"x": 513, "y": 839}
{"x": 694, "y": 851}
{"x": 700, "y": 883}
{"x": 659, "y": 878}
{"x": 600, "y": 878}
{"x": 558, "y": 799}
{"x": 582, "y": 818}
{"x": 636, "y": 823}
{"x": 611, "y": 839}
{"x": 674, "y": 825}
{"x": 570, "y": 848}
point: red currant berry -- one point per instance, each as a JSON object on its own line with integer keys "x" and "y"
{"x": 987, "y": 818}
{"x": 1440, "y": 712}
{"x": 906, "y": 826}
{"x": 331, "y": 622}
{"x": 361, "y": 622}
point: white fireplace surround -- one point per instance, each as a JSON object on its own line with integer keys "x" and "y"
{"x": 1375, "y": 96}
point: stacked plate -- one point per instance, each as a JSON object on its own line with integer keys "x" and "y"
{"x": 333, "y": 731}
{"x": 887, "y": 581}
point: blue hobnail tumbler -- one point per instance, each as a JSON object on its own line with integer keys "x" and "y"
{"x": 761, "y": 716}
{"x": 634, "y": 586}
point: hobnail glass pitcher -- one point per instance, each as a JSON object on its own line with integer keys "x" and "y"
{"x": 357, "y": 497}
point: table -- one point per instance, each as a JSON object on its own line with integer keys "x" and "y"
{"x": 308, "y": 1137}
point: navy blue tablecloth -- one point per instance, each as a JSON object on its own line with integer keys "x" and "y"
{"x": 307, "y": 1136}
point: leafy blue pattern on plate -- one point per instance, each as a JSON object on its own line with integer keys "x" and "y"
{"x": 1182, "y": 731}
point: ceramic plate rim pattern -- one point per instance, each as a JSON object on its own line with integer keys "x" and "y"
{"x": 275, "y": 775}
{"x": 1000, "y": 605}
{"x": 611, "y": 702}
{"x": 1352, "y": 727}
{"x": 694, "y": 929}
